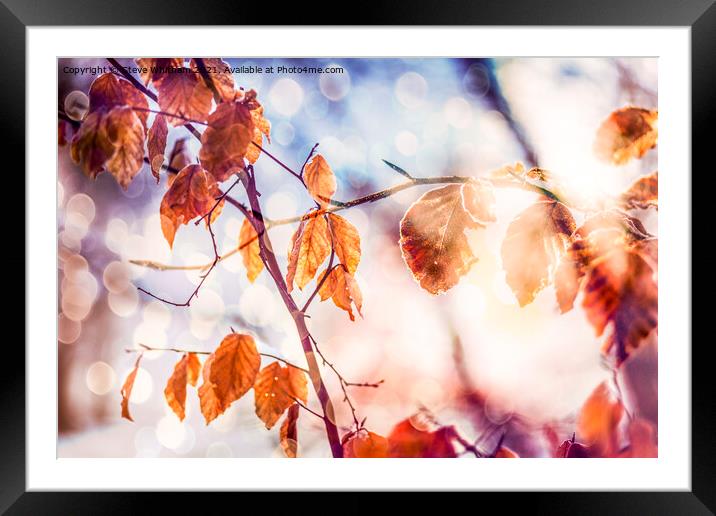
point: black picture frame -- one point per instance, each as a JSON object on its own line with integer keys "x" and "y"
{"x": 17, "y": 15}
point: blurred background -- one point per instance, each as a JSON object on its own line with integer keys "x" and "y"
{"x": 473, "y": 357}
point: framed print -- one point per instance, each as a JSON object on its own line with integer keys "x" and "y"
{"x": 297, "y": 248}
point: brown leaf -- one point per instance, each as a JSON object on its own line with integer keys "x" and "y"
{"x": 157, "y": 143}
{"x": 642, "y": 193}
{"x": 226, "y": 139}
{"x": 108, "y": 91}
{"x": 343, "y": 288}
{"x": 288, "y": 434}
{"x": 432, "y": 237}
{"x": 621, "y": 291}
{"x": 535, "y": 241}
{"x": 179, "y": 157}
{"x": 229, "y": 372}
{"x": 219, "y": 73}
{"x": 184, "y": 94}
{"x": 407, "y": 441}
{"x": 599, "y": 421}
{"x": 127, "y": 389}
{"x": 276, "y": 389}
{"x": 364, "y": 444}
{"x": 346, "y": 241}
{"x": 320, "y": 180}
{"x": 125, "y": 131}
{"x": 627, "y": 133}
{"x": 250, "y": 249}
{"x": 310, "y": 245}
{"x": 91, "y": 146}
{"x": 185, "y": 371}
{"x": 156, "y": 68}
{"x": 192, "y": 194}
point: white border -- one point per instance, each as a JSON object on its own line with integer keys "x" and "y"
{"x": 670, "y": 471}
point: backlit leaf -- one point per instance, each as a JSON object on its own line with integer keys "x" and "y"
{"x": 226, "y": 139}
{"x": 184, "y": 94}
{"x": 599, "y": 421}
{"x": 643, "y": 193}
{"x": 109, "y": 91}
{"x": 192, "y": 194}
{"x": 346, "y": 241}
{"x": 627, "y": 133}
{"x": 407, "y": 441}
{"x": 229, "y": 372}
{"x": 276, "y": 389}
{"x": 535, "y": 241}
{"x": 157, "y": 143}
{"x": 364, "y": 444}
{"x": 250, "y": 250}
{"x": 125, "y": 131}
{"x": 288, "y": 434}
{"x": 642, "y": 440}
{"x": 156, "y": 68}
{"x": 432, "y": 236}
{"x": 91, "y": 146}
{"x": 127, "y": 389}
{"x": 310, "y": 246}
{"x": 219, "y": 73}
{"x": 186, "y": 371}
{"x": 342, "y": 287}
{"x": 320, "y": 180}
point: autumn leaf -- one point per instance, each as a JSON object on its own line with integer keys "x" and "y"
{"x": 364, "y": 444}
{"x": 627, "y": 133}
{"x": 156, "y": 68}
{"x": 503, "y": 452}
{"x": 127, "y": 388}
{"x": 642, "y": 440}
{"x": 184, "y": 94}
{"x": 192, "y": 194}
{"x": 157, "y": 143}
{"x": 407, "y": 441}
{"x": 342, "y": 287}
{"x": 226, "y": 139}
{"x": 621, "y": 291}
{"x": 535, "y": 241}
{"x": 126, "y": 133}
{"x": 288, "y": 434}
{"x": 109, "y": 91}
{"x": 346, "y": 241}
{"x": 229, "y": 372}
{"x": 320, "y": 180}
{"x": 218, "y": 72}
{"x": 573, "y": 450}
{"x": 599, "y": 421}
{"x": 250, "y": 250}
{"x": 185, "y": 371}
{"x": 262, "y": 128}
{"x": 179, "y": 157}
{"x": 276, "y": 389}
{"x": 642, "y": 193}
{"x": 64, "y": 132}
{"x": 478, "y": 201}
{"x": 432, "y": 235}
{"x": 570, "y": 271}
{"x": 91, "y": 146}
{"x": 310, "y": 245}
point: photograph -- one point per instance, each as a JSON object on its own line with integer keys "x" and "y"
{"x": 358, "y": 257}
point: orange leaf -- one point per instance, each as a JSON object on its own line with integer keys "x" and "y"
{"x": 365, "y": 445}
{"x": 156, "y": 68}
{"x": 642, "y": 440}
{"x": 432, "y": 236}
{"x": 276, "y": 389}
{"x": 183, "y": 93}
{"x": 229, "y": 372}
{"x": 320, "y": 180}
{"x": 262, "y": 128}
{"x": 288, "y": 433}
{"x": 599, "y": 421}
{"x": 91, "y": 146}
{"x": 185, "y": 371}
{"x": 346, "y": 241}
{"x": 535, "y": 241}
{"x": 157, "y": 143}
{"x": 343, "y": 288}
{"x": 310, "y": 245}
{"x": 621, "y": 290}
{"x": 108, "y": 91}
{"x": 506, "y": 453}
{"x": 125, "y": 131}
{"x": 219, "y": 74}
{"x": 127, "y": 389}
{"x": 407, "y": 441}
{"x": 570, "y": 271}
{"x": 192, "y": 194}
{"x": 627, "y": 133}
{"x": 226, "y": 139}
{"x": 250, "y": 249}
{"x": 642, "y": 193}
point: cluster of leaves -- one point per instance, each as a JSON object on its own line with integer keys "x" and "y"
{"x": 610, "y": 258}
